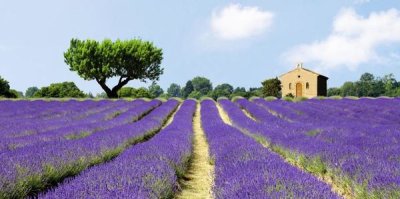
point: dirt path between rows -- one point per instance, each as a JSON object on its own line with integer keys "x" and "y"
{"x": 198, "y": 181}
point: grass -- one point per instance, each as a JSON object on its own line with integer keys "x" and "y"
{"x": 314, "y": 132}
{"x": 270, "y": 98}
{"x": 198, "y": 180}
{"x": 337, "y": 97}
{"x": 77, "y": 136}
{"x": 253, "y": 98}
{"x": 352, "y": 97}
{"x": 289, "y": 99}
{"x": 320, "y": 97}
{"x": 236, "y": 98}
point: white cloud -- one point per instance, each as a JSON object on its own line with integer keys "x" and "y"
{"x": 235, "y": 22}
{"x": 354, "y": 40}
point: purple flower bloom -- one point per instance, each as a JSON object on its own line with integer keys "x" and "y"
{"x": 245, "y": 169}
{"x": 146, "y": 170}
{"x": 30, "y": 169}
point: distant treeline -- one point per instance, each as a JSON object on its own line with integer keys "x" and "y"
{"x": 196, "y": 88}
{"x": 369, "y": 86}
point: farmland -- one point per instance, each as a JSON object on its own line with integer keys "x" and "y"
{"x": 317, "y": 148}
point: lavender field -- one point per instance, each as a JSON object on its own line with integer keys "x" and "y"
{"x": 317, "y": 148}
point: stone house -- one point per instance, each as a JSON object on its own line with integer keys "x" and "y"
{"x": 301, "y": 82}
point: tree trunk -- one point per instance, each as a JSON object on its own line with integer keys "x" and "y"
{"x": 111, "y": 94}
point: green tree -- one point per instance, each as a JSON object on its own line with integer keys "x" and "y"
{"x": 187, "y": 89}
{"x": 5, "y": 90}
{"x": 4, "y": 87}
{"x": 142, "y": 92}
{"x": 334, "y": 92}
{"x": 127, "y": 60}
{"x": 90, "y": 95}
{"x": 222, "y": 90}
{"x": 348, "y": 89}
{"x": 202, "y": 85}
{"x": 364, "y": 86}
{"x": 240, "y": 91}
{"x": 60, "y": 90}
{"x": 271, "y": 87}
{"x": 254, "y": 92}
{"x": 155, "y": 90}
{"x": 30, "y": 92}
{"x": 101, "y": 95}
{"x": 127, "y": 92}
{"x": 195, "y": 94}
{"x": 390, "y": 84}
{"x": 378, "y": 88}
{"x": 174, "y": 90}
{"x": 15, "y": 94}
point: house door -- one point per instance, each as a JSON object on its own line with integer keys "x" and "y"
{"x": 299, "y": 90}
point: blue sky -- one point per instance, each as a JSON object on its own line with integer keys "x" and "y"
{"x": 236, "y": 42}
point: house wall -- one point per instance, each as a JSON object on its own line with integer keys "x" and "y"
{"x": 293, "y": 78}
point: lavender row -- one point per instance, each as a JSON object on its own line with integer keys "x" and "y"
{"x": 36, "y": 167}
{"x": 30, "y": 110}
{"x": 38, "y": 126}
{"x": 82, "y": 128}
{"x": 245, "y": 169}
{"x": 376, "y": 136}
{"x": 95, "y": 115}
{"x": 25, "y": 109}
{"x": 360, "y": 111}
{"x": 146, "y": 170}
{"x": 19, "y": 127}
{"x": 369, "y": 174}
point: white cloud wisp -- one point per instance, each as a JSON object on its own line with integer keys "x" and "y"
{"x": 235, "y": 22}
{"x": 354, "y": 40}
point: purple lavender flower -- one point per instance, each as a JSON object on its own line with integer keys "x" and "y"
{"x": 32, "y": 168}
{"x": 245, "y": 169}
{"x": 146, "y": 170}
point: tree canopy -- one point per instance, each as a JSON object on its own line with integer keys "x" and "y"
{"x": 60, "y": 90}
{"x": 222, "y": 90}
{"x": 5, "y": 90}
{"x": 155, "y": 90}
{"x": 369, "y": 86}
{"x": 127, "y": 60}
{"x": 271, "y": 87}
{"x": 187, "y": 89}
{"x": 174, "y": 90}
{"x": 30, "y": 92}
{"x": 202, "y": 85}
{"x": 134, "y": 93}
{"x": 240, "y": 91}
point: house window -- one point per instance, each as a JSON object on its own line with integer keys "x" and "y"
{"x": 298, "y": 76}
{"x": 290, "y": 85}
{"x": 307, "y": 85}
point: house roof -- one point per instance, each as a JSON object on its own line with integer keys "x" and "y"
{"x": 305, "y": 70}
